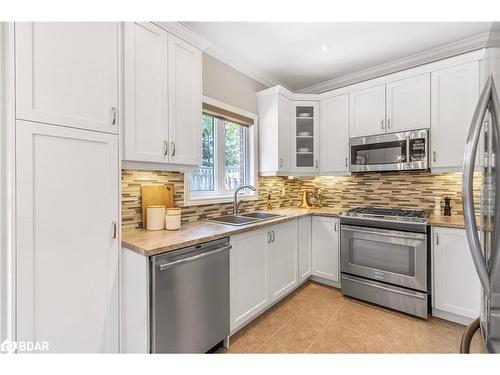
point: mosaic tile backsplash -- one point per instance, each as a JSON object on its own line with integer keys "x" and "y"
{"x": 389, "y": 189}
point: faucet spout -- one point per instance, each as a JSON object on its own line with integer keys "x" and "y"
{"x": 235, "y": 202}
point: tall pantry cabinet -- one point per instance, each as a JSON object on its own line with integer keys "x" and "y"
{"x": 67, "y": 178}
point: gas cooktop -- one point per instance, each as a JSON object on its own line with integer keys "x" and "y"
{"x": 387, "y": 214}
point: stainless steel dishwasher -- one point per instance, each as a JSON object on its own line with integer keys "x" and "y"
{"x": 190, "y": 298}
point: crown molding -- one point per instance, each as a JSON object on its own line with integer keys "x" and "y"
{"x": 185, "y": 33}
{"x": 439, "y": 53}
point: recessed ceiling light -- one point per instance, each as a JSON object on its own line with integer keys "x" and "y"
{"x": 324, "y": 47}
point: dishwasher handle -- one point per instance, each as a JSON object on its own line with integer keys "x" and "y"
{"x": 164, "y": 266}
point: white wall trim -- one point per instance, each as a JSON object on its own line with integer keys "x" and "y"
{"x": 254, "y": 154}
{"x": 439, "y": 53}
{"x": 182, "y": 31}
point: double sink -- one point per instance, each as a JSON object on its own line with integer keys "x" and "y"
{"x": 245, "y": 219}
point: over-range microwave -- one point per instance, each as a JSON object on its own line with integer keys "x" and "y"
{"x": 390, "y": 152}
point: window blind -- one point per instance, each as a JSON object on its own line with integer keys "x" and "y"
{"x": 226, "y": 115}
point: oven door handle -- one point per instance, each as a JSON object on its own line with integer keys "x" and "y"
{"x": 413, "y": 236}
{"x": 376, "y": 285}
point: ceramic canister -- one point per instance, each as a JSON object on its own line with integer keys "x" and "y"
{"x": 173, "y": 218}
{"x": 155, "y": 217}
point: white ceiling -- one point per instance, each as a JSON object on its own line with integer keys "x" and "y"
{"x": 291, "y": 53}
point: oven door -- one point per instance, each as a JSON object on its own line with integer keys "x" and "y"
{"x": 391, "y": 256}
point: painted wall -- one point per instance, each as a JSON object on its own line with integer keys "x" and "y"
{"x": 228, "y": 85}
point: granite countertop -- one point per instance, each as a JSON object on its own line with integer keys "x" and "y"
{"x": 150, "y": 243}
{"x": 454, "y": 221}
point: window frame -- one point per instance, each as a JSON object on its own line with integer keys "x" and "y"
{"x": 251, "y": 169}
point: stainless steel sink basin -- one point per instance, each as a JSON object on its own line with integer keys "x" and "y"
{"x": 244, "y": 219}
{"x": 234, "y": 220}
{"x": 261, "y": 215}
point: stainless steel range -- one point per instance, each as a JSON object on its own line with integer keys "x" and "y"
{"x": 384, "y": 258}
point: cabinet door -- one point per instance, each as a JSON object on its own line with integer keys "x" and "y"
{"x": 146, "y": 122}
{"x": 456, "y": 285}
{"x": 325, "y": 248}
{"x": 67, "y": 253}
{"x": 409, "y": 104}
{"x": 284, "y": 134}
{"x": 184, "y": 99}
{"x": 67, "y": 74}
{"x": 249, "y": 282}
{"x": 455, "y": 92}
{"x": 283, "y": 256}
{"x": 304, "y": 224}
{"x": 367, "y": 111}
{"x": 305, "y": 137}
{"x": 334, "y": 131}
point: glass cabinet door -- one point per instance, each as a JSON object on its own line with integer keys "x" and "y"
{"x": 305, "y": 137}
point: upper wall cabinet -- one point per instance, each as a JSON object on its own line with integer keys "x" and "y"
{"x": 305, "y": 137}
{"x": 408, "y": 104}
{"x": 367, "y": 111}
{"x": 334, "y": 135}
{"x": 67, "y": 74}
{"x": 455, "y": 92}
{"x": 275, "y": 125}
{"x": 397, "y": 106}
{"x": 146, "y": 130}
{"x": 163, "y": 97}
{"x": 184, "y": 102}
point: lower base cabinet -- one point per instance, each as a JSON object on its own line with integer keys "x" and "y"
{"x": 456, "y": 290}
{"x": 304, "y": 227}
{"x": 325, "y": 248}
{"x": 249, "y": 276}
{"x": 283, "y": 256}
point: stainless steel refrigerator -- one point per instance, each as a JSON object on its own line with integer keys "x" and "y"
{"x": 483, "y": 227}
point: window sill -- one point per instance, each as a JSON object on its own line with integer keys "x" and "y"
{"x": 199, "y": 201}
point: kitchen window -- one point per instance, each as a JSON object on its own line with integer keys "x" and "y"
{"x": 228, "y": 157}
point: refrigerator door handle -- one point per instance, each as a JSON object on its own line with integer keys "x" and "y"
{"x": 494, "y": 107}
{"x": 467, "y": 184}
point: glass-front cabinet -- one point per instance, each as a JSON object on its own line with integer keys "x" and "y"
{"x": 305, "y": 136}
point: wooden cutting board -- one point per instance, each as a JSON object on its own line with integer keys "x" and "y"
{"x": 156, "y": 195}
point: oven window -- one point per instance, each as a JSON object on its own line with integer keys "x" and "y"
{"x": 398, "y": 259}
{"x": 379, "y": 153}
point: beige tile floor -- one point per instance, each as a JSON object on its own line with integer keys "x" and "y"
{"x": 318, "y": 319}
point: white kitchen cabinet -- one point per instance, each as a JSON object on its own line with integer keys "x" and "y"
{"x": 305, "y": 136}
{"x": 146, "y": 121}
{"x": 67, "y": 240}
{"x": 249, "y": 276}
{"x": 184, "y": 102}
{"x": 67, "y": 74}
{"x": 305, "y": 255}
{"x": 454, "y": 91}
{"x": 334, "y": 135}
{"x": 456, "y": 286}
{"x": 367, "y": 111}
{"x": 163, "y": 97}
{"x": 275, "y": 122}
{"x": 408, "y": 104}
{"x": 283, "y": 256}
{"x": 325, "y": 248}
